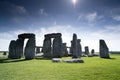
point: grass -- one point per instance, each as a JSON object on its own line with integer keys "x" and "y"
{"x": 94, "y": 68}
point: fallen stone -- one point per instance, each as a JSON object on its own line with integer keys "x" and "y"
{"x": 74, "y": 60}
{"x": 56, "y": 60}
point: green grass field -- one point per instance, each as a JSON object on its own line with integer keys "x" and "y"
{"x": 94, "y": 68}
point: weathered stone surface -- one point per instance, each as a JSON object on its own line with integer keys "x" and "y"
{"x": 53, "y": 35}
{"x": 75, "y": 60}
{"x": 47, "y": 48}
{"x": 92, "y": 52}
{"x": 79, "y": 48}
{"x": 12, "y": 50}
{"x": 30, "y": 49}
{"x": 71, "y": 48}
{"x": 56, "y": 60}
{"x": 104, "y": 51}
{"x": 57, "y": 47}
{"x": 74, "y": 47}
{"x": 16, "y": 47}
{"x": 37, "y": 50}
{"x": 86, "y": 50}
{"x": 54, "y": 50}
{"x": 26, "y": 35}
{"x": 64, "y": 50}
{"x": 19, "y": 47}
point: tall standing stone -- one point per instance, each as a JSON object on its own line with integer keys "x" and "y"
{"x": 12, "y": 50}
{"x": 47, "y": 48}
{"x": 74, "y": 46}
{"x": 104, "y": 51}
{"x": 30, "y": 49}
{"x": 86, "y": 50}
{"x": 79, "y": 48}
{"x": 92, "y": 52}
{"x": 19, "y": 47}
{"x": 57, "y": 47}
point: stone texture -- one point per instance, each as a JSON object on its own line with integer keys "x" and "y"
{"x": 71, "y": 48}
{"x": 74, "y": 47}
{"x": 30, "y": 49}
{"x": 104, "y": 51}
{"x": 64, "y": 50}
{"x": 79, "y": 48}
{"x": 16, "y": 47}
{"x": 47, "y": 48}
{"x": 12, "y": 50}
{"x": 57, "y": 47}
{"x": 37, "y": 50}
{"x": 56, "y": 60}
{"x": 92, "y": 52}
{"x": 54, "y": 50}
{"x": 19, "y": 47}
{"x": 86, "y": 50}
{"x": 76, "y": 60}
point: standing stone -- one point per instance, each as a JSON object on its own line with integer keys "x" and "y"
{"x": 64, "y": 49}
{"x": 74, "y": 46}
{"x": 19, "y": 47}
{"x": 12, "y": 50}
{"x": 92, "y": 52}
{"x": 47, "y": 48}
{"x": 71, "y": 48}
{"x": 104, "y": 51}
{"x": 86, "y": 50}
{"x": 37, "y": 50}
{"x": 30, "y": 49}
{"x": 79, "y": 48}
{"x": 57, "y": 47}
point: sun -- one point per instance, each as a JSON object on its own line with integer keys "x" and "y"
{"x": 74, "y": 1}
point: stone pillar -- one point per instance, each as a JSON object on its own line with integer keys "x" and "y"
{"x": 19, "y": 47}
{"x": 57, "y": 47}
{"x": 12, "y": 50}
{"x": 74, "y": 46}
{"x": 30, "y": 49}
{"x": 79, "y": 48}
{"x": 92, "y": 52}
{"x": 71, "y": 48}
{"x": 86, "y": 50}
{"x": 64, "y": 49}
{"x": 37, "y": 50}
{"x": 104, "y": 51}
{"x": 47, "y": 48}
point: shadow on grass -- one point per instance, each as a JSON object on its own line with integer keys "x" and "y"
{"x": 42, "y": 58}
{"x": 7, "y": 60}
{"x": 109, "y": 58}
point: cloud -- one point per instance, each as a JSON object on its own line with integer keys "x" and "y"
{"x": 91, "y": 17}
{"x": 42, "y": 12}
{"x": 21, "y": 9}
{"x": 13, "y": 8}
{"x": 117, "y": 18}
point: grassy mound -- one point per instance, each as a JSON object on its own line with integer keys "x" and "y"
{"x": 94, "y": 68}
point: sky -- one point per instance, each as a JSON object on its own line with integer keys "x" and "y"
{"x": 91, "y": 20}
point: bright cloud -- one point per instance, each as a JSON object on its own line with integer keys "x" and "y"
{"x": 91, "y": 17}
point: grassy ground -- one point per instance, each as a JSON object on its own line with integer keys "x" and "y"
{"x": 94, "y": 68}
